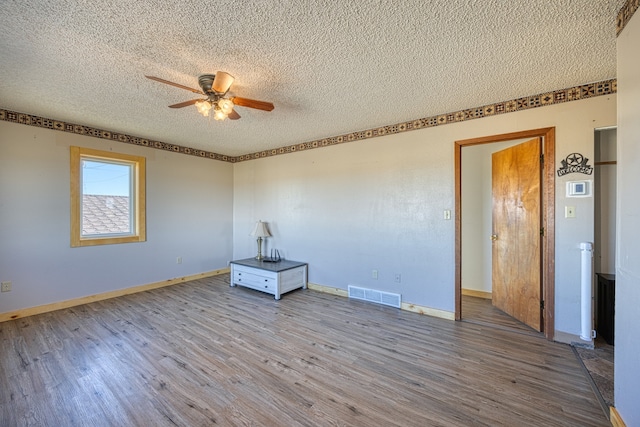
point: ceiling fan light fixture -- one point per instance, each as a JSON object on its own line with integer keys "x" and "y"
{"x": 203, "y": 107}
{"x": 218, "y": 114}
{"x": 215, "y": 88}
{"x": 226, "y": 105}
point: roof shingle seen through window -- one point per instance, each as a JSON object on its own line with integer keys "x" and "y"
{"x": 105, "y": 214}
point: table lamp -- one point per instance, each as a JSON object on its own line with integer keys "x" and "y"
{"x": 260, "y": 231}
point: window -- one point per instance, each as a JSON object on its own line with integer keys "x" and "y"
{"x": 107, "y": 198}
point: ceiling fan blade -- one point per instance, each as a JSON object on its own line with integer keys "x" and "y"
{"x": 158, "y": 79}
{"x": 233, "y": 115}
{"x": 222, "y": 82}
{"x": 252, "y": 103}
{"x": 184, "y": 104}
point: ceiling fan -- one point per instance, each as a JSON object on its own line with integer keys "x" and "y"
{"x": 215, "y": 88}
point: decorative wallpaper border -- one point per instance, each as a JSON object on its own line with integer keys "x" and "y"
{"x": 625, "y": 14}
{"x": 42, "y": 122}
{"x": 575, "y": 93}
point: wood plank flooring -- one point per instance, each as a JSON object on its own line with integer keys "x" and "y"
{"x": 481, "y": 312}
{"x": 202, "y": 353}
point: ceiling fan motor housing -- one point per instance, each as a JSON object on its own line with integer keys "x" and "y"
{"x": 206, "y": 81}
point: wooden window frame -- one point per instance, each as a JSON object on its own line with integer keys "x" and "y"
{"x": 139, "y": 197}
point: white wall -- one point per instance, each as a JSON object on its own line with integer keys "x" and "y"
{"x": 378, "y": 204}
{"x": 627, "y": 317}
{"x": 189, "y": 214}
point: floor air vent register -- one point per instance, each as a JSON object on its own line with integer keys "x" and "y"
{"x": 371, "y": 295}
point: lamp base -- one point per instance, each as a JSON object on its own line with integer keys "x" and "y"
{"x": 259, "y": 256}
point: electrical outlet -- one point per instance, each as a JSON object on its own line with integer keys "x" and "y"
{"x": 398, "y": 278}
{"x": 6, "y": 286}
{"x": 179, "y": 260}
{"x": 569, "y": 211}
{"x": 374, "y": 274}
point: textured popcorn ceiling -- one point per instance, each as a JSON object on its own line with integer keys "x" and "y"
{"x": 330, "y": 67}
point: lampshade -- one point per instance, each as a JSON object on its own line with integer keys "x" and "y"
{"x": 222, "y": 82}
{"x": 260, "y": 230}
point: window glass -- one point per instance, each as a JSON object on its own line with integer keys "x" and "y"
{"x": 106, "y": 198}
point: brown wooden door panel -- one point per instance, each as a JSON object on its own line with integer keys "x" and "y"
{"x": 516, "y": 173}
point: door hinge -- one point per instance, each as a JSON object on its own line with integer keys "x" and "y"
{"x": 542, "y": 231}
{"x": 541, "y": 305}
{"x": 541, "y": 158}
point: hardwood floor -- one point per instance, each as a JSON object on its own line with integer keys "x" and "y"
{"x": 202, "y": 353}
{"x": 481, "y": 312}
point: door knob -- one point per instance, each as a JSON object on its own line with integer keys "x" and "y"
{"x": 494, "y": 237}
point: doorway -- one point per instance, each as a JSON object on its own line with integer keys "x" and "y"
{"x": 547, "y": 210}
{"x": 599, "y": 361}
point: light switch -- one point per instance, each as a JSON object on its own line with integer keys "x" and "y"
{"x": 447, "y": 214}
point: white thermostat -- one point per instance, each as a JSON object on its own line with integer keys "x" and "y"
{"x": 579, "y": 189}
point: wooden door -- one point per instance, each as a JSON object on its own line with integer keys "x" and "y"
{"x": 516, "y": 253}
